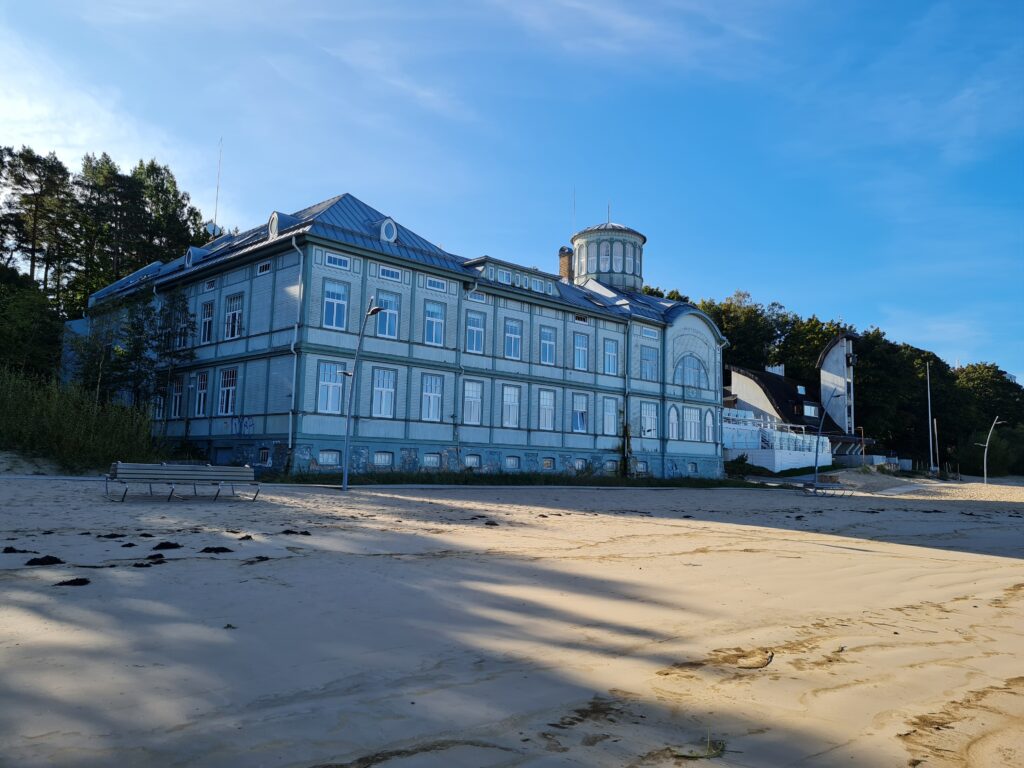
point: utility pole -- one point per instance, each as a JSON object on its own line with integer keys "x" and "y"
{"x": 985, "y": 445}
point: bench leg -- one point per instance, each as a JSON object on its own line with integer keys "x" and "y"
{"x": 257, "y": 492}
{"x": 125, "y": 494}
{"x": 171, "y": 494}
{"x": 217, "y": 495}
{"x": 195, "y": 491}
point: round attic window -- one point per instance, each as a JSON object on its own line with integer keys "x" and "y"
{"x": 388, "y": 231}
{"x": 272, "y": 225}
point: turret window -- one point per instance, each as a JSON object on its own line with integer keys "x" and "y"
{"x": 605, "y": 256}
{"x": 617, "y": 257}
{"x": 629, "y": 260}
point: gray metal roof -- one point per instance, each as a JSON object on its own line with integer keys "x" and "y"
{"x": 611, "y": 226}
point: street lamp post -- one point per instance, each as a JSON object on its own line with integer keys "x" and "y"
{"x": 984, "y": 445}
{"x": 370, "y": 312}
{"x": 863, "y": 449}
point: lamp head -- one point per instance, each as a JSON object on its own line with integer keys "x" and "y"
{"x": 373, "y": 311}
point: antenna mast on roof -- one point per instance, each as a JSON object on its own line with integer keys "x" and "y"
{"x": 216, "y": 199}
{"x": 573, "y": 208}
{"x": 609, "y": 211}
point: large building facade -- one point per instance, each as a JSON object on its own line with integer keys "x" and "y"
{"x": 470, "y": 363}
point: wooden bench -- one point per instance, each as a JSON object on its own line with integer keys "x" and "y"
{"x": 176, "y": 475}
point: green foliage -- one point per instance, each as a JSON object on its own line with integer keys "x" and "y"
{"x": 752, "y": 329}
{"x": 29, "y": 328}
{"x": 66, "y": 425}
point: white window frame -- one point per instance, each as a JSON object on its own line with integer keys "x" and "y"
{"x": 431, "y": 460}
{"x": 227, "y": 396}
{"x": 332, "y": 259}
{"x": 474, "y": 334}
{"x": 437, "y": 284}
{"x": 389, "y": 273}
{"x": 691, "y": 424}
{"x": 580, "y": 352}
{"x": 336, "y": 300}
{"x": 330, "y": 377}
{"x": 648, "y": 365}
{"x": 264, "y": 267}
{"x": 513, "y": 339}
{"x": 202, "y": 393}
{"x": 673, "y": 423}
{"x": 512, "y": 462}
{"x": 511, "y": 405}
{"x": 610, "y": 416}
{"x": 433, "y": 327}
{"x": 693, "y": 373}
{"x": 177, "y": 389}
{"x": 233, "y": 316}
{"x": 383, "y": 459}
{"x": 328, "y": 457}
{"x": 579, "y": 413}
{"x": 206, "y": 312}
{"x": 649, "y": 419}
{"x": 472, "y": 461}
{"x": 649, "y": 333}
{"x": 387, "y": 318}
{"x": 811, "y": 411}
{"x": 472, "y": 402}
{"x": 504, "y": 276}
{"x": 548, "y": 347}
{"x": 709, "y": 426}
{"x": 611, "y": 355}
{"x": 385, "y": 384}
{"x": 432, "y": 391}
{"x": 546, "y": 410}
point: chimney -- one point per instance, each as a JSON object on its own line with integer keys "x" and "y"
{"x": 565, "y": 263}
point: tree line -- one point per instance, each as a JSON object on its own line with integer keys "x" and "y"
{"x": 65, "y": 234}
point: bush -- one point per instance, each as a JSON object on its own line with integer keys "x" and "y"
{"x": 66, "y": 425}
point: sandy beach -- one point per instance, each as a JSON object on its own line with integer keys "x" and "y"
{"x": 485, "y": 627}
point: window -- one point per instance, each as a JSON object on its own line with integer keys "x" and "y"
{"x": 206, "y": 323}
{"x": 580, "y": 351}
{"x": 649, "y": 363}
{"x": 592, "y": 258}
{"x": 649, "y": 333}
{"x": 811, "y": 410}
{"x": 579, "y": 413}
{"x": 437, "y": 284}
{"x": 691, "y": 423}
{"x": 504, "y": 276}
{"x": 432, "y": 460}
{"x": 610, "y": 416}
{"x": 388, "y": 231}
{"x": 605, "y": 256}
{"x": 181, "y": 337}
{"x": 641, "y": 467}
{"x": 648, "y": 419}
{"x": 264, "y": 267}
{"x": 331, "y": 378}
{"x": 547, "y": 345}
{"x": 472, "y": 460}
{"x": 430, "y": 407}
{"x": 328, "y": 458}
{"x": 264, "y": 457}
{"x": 387, "y": 318}
{"x": 383, "y": 393}
{"x": 512, "y": 462}
{"x": 536, "y": 285}
{"x": 547, "y": 462}
{"x": 335, "y": 305}
{"x": 516, "y": 279}
{"x": 709, "y": 427}
{"x": 475, "y": 332}
{"x": 691, "y": 373}
{"x": 611, "y": 467}
{"x": 546, "y": 416}
{"x": 336, "y": 260}
{"x": 582, "y": 319}
{"x": 629, "y": 260}
{"x": 202, "y": 390}
{"x": 801, "y": 389}
{"x": 158, "y": 408}
{"x": 433, "y": 324}
{"x": 617, "y": 257}
{"x": 383, "y": 459}
{"x": 472, "y": 402}
{"x": 509, "y": 406}
{"x": 514, "y": 339}
{"x": 673, "y": 423}
{"x": 233, "y": 317}
{"x": 477, "y": 296}
{"x": 611, "y": 357}
{"x": 580, "y": 465}
{"x": 691, "y": 467}
{"x": 209, "y": 285}
{"x": 390, "y": 273}
{"x": 228, "y": 389}
{"x": 176, "y": 390}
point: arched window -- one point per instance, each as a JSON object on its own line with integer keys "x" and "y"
{"x": 592, "y": 259}
{"x": 690, "y": 372}
{"x": 581, "y": 260}
{"x": 617, "y": 257}
{"x": 639, "y": 260}
{"x": 629, "y": 259}
{"x": 709, "y": 427}
{"x": 605, "y": 256}
{"x": 673, "y": 423}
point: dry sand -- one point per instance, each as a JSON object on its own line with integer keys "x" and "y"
{"x": 581, "y": 628}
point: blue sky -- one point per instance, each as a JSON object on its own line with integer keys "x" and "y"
{"x": 856, "y": 160}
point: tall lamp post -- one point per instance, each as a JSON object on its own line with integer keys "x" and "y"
{"x": 817, "y": 440}
{"x": 984, "y": 445}
{"x": 370, "y": 312}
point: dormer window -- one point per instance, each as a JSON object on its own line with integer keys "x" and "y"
{"x": 188, "y": 259}
{"x": 505, "y": 276}
{"x": 388, "y": 231}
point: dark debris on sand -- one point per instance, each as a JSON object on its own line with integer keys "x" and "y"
{"x": 79, "y": 582}
{"x": 214, "y": 550}
{"x": 167, "y": 545}
{"x": 45, "y": 560}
